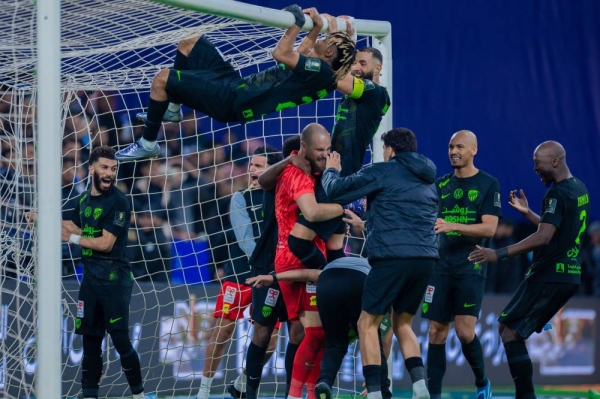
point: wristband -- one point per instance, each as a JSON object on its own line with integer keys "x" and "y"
{"x": 274, "y": 275}
{"x": 74, "y": 239}
{"x": 502, "y": 253}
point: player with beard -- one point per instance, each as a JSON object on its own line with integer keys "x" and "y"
{"x": 468, "y": 216}
{"x": 555, "y": 273}
{"x": 99, "y": 224}
{"x": 295, "y": 194}
{"x": 245, "y": 214}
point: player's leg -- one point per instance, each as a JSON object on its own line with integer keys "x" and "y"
{"x": 231, "y": 302}
{"x": 339, "y": 295}
{"x": 530, "y": 309}
{"x": 116, "y": 302}
{"x": 438, "y": 305}
{"x": 468, "y": 289}
{"x": 90, "y": 323}
{"x": 413, "y": 284}
{"x": 300, "y": 242}
{"x": 296, "y": 336}
{"x": 306, "y": 362}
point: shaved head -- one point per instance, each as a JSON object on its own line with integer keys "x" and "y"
{"x": 461, "y": 151}
{"x": 552, "y": 149}
{"x": 549, "y": 161}
{"x": 311, "y": 131}
{"x": 467, "y": 136}
{"x": 316, "y": 142}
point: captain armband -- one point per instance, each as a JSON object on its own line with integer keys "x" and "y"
{"x": 358, "y": 88}
{"x": 502, "y": 253}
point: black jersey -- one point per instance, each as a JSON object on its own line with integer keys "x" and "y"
{"x": 566, "y": 206}
{"x": 357, "y": 120}
{"x": 465, "y": 201}
{"x": 278, "y": 88}
{"x": 109, "y": 211}
{"x": 263, "y": 256}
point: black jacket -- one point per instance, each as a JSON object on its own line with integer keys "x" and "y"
{"x": 401, "y": 202}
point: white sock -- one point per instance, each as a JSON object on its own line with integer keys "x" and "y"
{"x": 174, "y": 107}
{"x": 420, "y": 390}
{"x": 147, "y": 144}
{"x": 204, "y": 391}
{"x": 139, "y": 396}
{"x": 240, "y": 383}
{"x": 374, "y": 395}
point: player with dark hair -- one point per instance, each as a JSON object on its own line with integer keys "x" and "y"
{"x": 267, "y": 303}
{"x": 245, "y": 214}
{"x": 294, "y": 194}
{"x": 555, "y": 273}
{"x": 99, "y": 224}
{"x": 204, "y": 81}
{"x": 401, "y": 245}
{"x": 468, "y": 216}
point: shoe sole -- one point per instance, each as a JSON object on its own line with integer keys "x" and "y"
{"x": 322, "y": 392}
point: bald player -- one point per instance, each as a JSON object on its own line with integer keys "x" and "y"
{"x": 555, "y": 273}
{"x": 469, "y": 209}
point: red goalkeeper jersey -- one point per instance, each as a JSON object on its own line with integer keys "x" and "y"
{"x": 291, "y": 185}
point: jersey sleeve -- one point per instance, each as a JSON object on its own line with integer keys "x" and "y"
{"x": 553, "y": 208}
{"x": 299, "y": 183}
{"x": 314, "y": 70}
{"x": 491, "y": 204}
{"x": 75, "y": 218}
{"x": 117, "y": 217}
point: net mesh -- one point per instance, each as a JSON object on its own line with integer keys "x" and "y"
{"x": 180, "y": 237}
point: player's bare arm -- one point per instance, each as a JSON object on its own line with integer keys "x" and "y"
{"x": 284, "y": 51}
{"x": 71, "y": 227}
{"x": 486, "y": 229}
{"x": 315, "y": 212}
{"x": 104, "y": 243}
{"x": 311, "y": 37}
{"x": 540, "y": 238}
{"x": 264, "y": 280}
{"x": 268, "y": 179}
{"x": 522, "y": 205}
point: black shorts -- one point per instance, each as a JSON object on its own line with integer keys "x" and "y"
{"x": 399, "y": 283}
{"x": 268, "y": 306}
{"x": 208, "y": 83}
{"x": 534, "y": 305}
{"x": 448, "y": 295}
{"x": 326, "y": 228}
{"x": 102, "y": 308}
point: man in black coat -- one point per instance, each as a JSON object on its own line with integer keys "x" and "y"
{"x": 402, "y": 247}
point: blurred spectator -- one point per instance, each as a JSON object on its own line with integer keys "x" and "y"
{"x": 505, "y": 275}
{"x": 590, "y": 260}
{"x": 148, "y": 249}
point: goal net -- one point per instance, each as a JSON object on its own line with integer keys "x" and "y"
{"x": 180, "y": 238}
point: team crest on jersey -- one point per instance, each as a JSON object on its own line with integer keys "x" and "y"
{"x": 472, "y": 195}
{"x": 97, "y": 213}
{"x": 88, "y": 211}
{"x": 272, "y": 296}
{"x": 429, "y": 293}
{"x": 312, "y": 64}
{"x": 551, "y": 205}
{"x": 119, "y": 219}
{"x": 80, "y": 309}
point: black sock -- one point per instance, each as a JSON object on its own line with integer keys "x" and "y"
{"x": 91, "y": 371}
{"x": 474, "y": 355}
{"x": 415, "y": 368}
{"x": 255, "y": 361}
{"x": 436, "y": 368}
{"x": 290, "y": 354}
{"x": 133, "y": 371}
{"x": 180, "y": 62}
{"x": 521, "y": 368}
{"x": 385, "y": 381}
{"x": 333, "y": 254}
{"x": 372, "y": 374}
{"x": 156, "y": 110}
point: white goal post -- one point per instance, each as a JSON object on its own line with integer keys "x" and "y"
{"x": 56, "y": 54}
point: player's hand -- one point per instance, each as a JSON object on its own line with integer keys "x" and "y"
{"x": 297, "y": 13}
{"x": 353, "y": 220}
{"x": 483, "y": 255}
{"x": 264, "y": 280}
{"x": 364, "y": 391}
{"x": 349, "y": 27}
{"x": 334, "y": 161}
{"x": 65, "y": 234}
{"x": 520, "y": 204}
{"x": 331, "y": 23}
{"x": 315, "y": 16}
{"x": 441, "y": 226}
{"x": 300, "y": 162}
{"x": 31, "y": 218}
